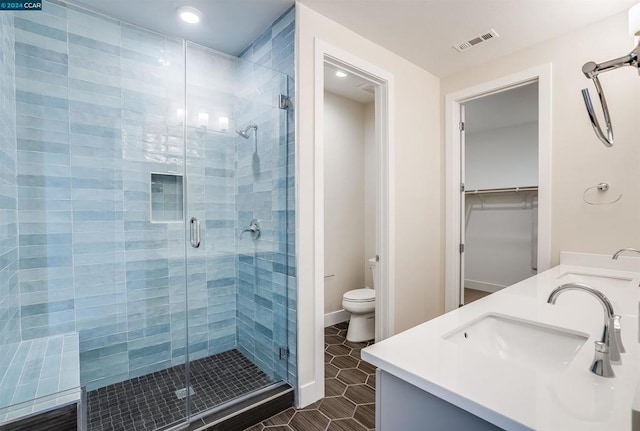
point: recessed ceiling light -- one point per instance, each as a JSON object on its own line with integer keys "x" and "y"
{"x": 189, "y": 14}
{"x": 341, "y": 74}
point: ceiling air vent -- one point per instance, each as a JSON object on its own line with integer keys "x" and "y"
{"x": 476, "y": 41}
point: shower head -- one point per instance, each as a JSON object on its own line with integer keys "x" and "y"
{"x": 245, "y": 132}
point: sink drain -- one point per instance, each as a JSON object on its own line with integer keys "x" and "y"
{"x": 182, "y": 393}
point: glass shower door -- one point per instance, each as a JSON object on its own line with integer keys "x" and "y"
{"x": 236, "y": 193}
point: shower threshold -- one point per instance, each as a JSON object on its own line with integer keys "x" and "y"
{"x": 149, "y": 402}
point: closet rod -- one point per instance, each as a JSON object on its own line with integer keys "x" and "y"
{"x": 507, "y": 190}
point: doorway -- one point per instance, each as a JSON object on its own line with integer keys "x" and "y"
{"x": 499, "y": 192}
{"x": 382, "y": 82}
{"x": 349, "y": 192}
{"x": 456, "y": 189}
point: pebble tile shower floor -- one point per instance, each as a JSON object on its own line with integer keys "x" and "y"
{"x": 350, "y": 385}
{"x": 149, "y": 402}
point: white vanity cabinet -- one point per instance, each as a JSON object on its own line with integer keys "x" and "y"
{"x": 403, "y": 406}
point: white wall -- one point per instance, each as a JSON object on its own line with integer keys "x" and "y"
{"x": 417, "y": 195}
{"x": 344, "y": 198}
{"x": 501, "y": 158}
{"x": 579, "y": 160}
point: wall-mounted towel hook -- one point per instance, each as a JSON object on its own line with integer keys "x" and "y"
{"x": 602, "y": 187}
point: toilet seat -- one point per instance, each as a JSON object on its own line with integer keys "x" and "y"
{"x": 360, "y": 295}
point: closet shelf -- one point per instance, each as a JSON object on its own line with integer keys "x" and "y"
{"x": 504, "y": 190}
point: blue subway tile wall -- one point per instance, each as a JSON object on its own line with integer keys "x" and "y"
{"x": 44, "y": 174}
{"x": 93, "y": 113}
{"x": 97, "y": 181}
{"x": 265, "y": 190}
{"x": 9, "y": 293}
{"x": 99, "y": 107}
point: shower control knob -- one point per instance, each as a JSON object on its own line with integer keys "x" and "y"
{"x": 253, "y": 229}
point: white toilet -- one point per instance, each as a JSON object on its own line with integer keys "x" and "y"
{"x": 361, "y": 303}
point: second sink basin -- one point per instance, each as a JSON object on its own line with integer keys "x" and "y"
{"x": 526, "y": 342}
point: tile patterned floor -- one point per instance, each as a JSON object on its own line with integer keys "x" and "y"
{"x": 350, "y": 384}
{"x": 149, "y": 402}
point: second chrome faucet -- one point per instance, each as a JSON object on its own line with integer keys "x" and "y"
{"x": 624, "y": 250}
{"x": 609, "y": 348}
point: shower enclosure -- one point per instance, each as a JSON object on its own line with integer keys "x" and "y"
{"x": 124, "y": 192}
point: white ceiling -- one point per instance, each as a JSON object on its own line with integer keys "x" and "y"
{"x": 507, "y": 108}
{"x": 423, "y": 31}
{"x": 227, "y": 25}
{"x": 350, "y": 86}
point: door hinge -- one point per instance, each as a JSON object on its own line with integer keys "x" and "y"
{"x": 284, "y": 353}
{"x": 461, "y": 187}
{"x": 284, "y": 102}
{"x": 462, "y": 126}
{"x": 461, "y": 248}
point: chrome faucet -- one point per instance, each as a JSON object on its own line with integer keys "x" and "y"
{"x": 607, "y": 349}
{"x": 617, "y": 333}
{"x": 617, "y": 254}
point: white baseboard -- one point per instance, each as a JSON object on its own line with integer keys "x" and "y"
{"x": 309, "y": 394}
{"x": 336, "y": 317}
{"x": 483, "y": 286}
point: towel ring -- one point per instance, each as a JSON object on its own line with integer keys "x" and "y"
{"x": 602, "y": 187}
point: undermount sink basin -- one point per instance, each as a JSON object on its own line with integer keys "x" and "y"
{"x": 512, "y": 339}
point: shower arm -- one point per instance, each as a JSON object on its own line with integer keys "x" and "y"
{"x": 591, "y": 70}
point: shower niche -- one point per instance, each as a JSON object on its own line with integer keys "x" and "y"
{"x": 167, "y": 197}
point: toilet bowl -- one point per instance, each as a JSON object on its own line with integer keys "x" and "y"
{"x": 361, "y": 303}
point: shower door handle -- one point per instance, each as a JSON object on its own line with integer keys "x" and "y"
{"x": 194, "y": 229}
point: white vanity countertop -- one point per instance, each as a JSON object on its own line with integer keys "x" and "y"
{"x": 517, "y": 396}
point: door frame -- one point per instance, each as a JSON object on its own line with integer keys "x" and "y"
{"x": 383, "y": 81}
{"x": 453, "y": 101}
